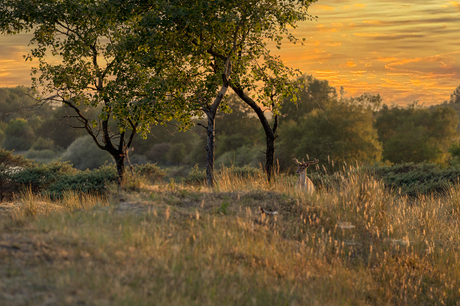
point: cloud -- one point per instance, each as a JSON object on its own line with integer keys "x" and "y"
{"x": 323, "y": 7}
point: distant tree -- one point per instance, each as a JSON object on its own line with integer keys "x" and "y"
{"x": 18, "y": 102}
{"x": 84, "y": 154}
{"x": 340, "y": 131}
{"x": 416, "y": 134}
{"x": 313, "y": 94}
{"x": 455, "y": 96}
{"x": 18, "y": 135}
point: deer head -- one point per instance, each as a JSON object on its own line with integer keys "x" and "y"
{"x": 302, "y": 166}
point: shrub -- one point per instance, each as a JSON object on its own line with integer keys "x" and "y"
{"x": 35, "y": 176}
{"x": 150, "y": 171}
{"x": 415, "y": 179}
{"x": 53, "y": 179}
{"x": 88, "y": 181}
{"x": 43, "y": 144}
{"x": 41, "y": 155}
{"x": 196, "y": 176}
{"x": 84, "y": 154}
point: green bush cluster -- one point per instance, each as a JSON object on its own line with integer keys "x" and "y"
{"x": 416, "y": 179}
{"x": 53, "y": 179}
{"x": 88, "y": 181}
{"x": 151, "y": 172}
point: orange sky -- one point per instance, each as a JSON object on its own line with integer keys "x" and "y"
{"x": 404, "y": 50}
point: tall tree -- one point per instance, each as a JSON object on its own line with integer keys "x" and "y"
{"x": 220, "y": 44}
{"x": 82, "y": 63}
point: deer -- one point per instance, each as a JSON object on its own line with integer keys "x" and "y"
{"x": 304, "y": 183}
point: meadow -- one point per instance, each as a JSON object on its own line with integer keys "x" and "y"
{"x": 355, "y": 242}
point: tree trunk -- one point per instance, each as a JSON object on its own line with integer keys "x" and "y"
{"x": 270, "y": 135}
{"x": 120, "y": 162}
{"x": 211, "y": 134}
{"x": 270, "y": 156}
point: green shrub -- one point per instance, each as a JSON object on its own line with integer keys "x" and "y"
{"x": 53, "y": 179}
{"x": 43, "y": 144}
{"x": 245, "y": 172}
{"x": 417, "y": 179}
{"x": 88, "y": 181}
{"x": 84, "y": 154}
{"x": 196, "y": 176}
{"x": 150, "y": 171}
{"x": 41, "y": 155}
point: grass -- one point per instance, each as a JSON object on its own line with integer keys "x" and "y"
{"x": 171, "y": 244}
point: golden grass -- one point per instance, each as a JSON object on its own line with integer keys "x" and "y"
{"x": 176, "y": 245}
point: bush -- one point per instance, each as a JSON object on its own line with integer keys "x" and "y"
{"x": 84, "y": 154}
{"x": 35, "y": 176}
{"x": 41, "y": 155}
{"x": 150, "y": 171}
{"x": 54, "y": 179}
{"x": 196, "y": 176}
{"x": 89, "y": 181}
{"x": 158, "y": 153}
{"x": 416, "y": 179}
{"x": 43, "y": 144}
{"x": 244, "y": 172}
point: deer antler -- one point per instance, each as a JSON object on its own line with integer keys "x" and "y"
{"x": 304, "y": 163}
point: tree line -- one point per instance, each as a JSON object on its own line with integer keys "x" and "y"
{"x": 335, "y": 129}
{"x": 118, "y": 71}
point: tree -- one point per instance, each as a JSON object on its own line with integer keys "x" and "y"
{"x": 221, "y": 44}
{"x": 416, "y": 134}
{"x": 341, "y": 131}
{"x": 82, "y": 63}
{"x": 18, "y": 135}
{"x": 455, "y": 96}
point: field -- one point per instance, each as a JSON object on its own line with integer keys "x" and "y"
{"x": 356, "y": 243}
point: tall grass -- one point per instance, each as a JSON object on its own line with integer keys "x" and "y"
{"x": 355, "y": 243}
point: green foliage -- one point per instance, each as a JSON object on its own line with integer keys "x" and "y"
{"x": 243, "y": 156}
{"x": 244, "y": 172}
{"x": 84, "y": 154}
{"x": 455, "y": 96}
{"x": 43, "y": 144}
{"x": 418, "y": 179}
{"x": 150, "y": 171}
{"x": 17, "y": 102}
{"x": 18, "y": 135}
{"x": 415, "y": 134}
{"x": 91, "y": 182}
{"x": 177, "y": 153}
{"x": 2, "y": 136}
{"x": 54, "y": 179}
{"x": 341, "y": 131}
{"x": 44, "y": 156}
{"x": 196, "y": 176}
{"x": 36, "y": 177}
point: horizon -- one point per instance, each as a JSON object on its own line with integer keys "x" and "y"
{"x": 405, "y": 52}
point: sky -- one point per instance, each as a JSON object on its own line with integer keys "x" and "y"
{"x": 406, "y": 51}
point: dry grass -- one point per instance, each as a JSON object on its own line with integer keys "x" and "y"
{"x": 177, "y": 245}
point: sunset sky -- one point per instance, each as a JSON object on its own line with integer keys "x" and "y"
{"x": 404, "y": 50}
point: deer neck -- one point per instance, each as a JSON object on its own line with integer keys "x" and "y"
{"x": 303, "y": 178}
